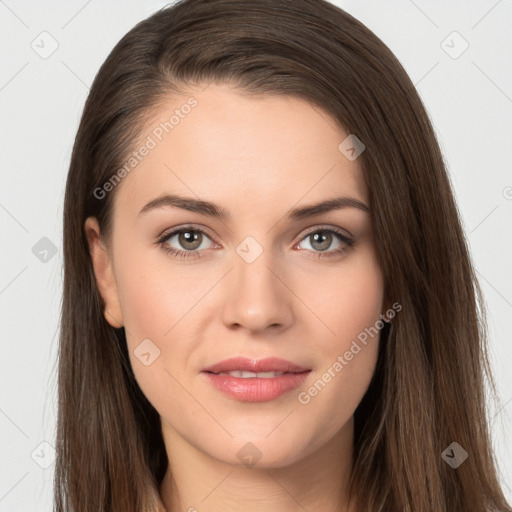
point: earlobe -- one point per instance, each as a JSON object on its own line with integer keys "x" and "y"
{"x": 103, "y": 271}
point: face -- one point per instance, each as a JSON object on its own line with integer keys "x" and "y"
{"x": 193, "y": 289}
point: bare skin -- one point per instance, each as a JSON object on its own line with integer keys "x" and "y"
{"x": 256, "y": 157}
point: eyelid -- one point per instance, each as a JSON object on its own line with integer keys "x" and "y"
{"x": 327, "y": 227}
{"x": 176, "y": 229}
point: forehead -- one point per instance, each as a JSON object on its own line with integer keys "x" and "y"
{"x": 252, "y": 153}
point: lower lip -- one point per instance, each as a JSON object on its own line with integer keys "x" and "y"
{"x": 256, "y": 389}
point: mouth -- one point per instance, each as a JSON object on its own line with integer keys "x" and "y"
{"x": 252, "y": 380}
{"x": 253, "y": 375}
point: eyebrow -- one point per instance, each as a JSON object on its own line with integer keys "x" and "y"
{"x": 216, "y": 211}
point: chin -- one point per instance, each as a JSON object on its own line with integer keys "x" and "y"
{"x": 258, "y": 452}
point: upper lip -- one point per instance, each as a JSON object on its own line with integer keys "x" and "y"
{"x": 268, "y": 364}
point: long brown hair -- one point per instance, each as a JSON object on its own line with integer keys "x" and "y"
{"x": 428, "y": 387}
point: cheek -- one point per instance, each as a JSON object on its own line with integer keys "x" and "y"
{"x": 348, "y": 299}
{"x": 347, "y": 358}
{"x": 154, "y": 293}
{"x": 158, "y": 351}
{"x": 158, "y": 301}
{"x": 336, "y": 391}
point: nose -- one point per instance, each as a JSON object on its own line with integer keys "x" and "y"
{"x": 256, "y": 295}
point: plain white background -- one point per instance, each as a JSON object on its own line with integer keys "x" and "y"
{"x": 467, "y": 91}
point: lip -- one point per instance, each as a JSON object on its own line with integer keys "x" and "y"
{"x": 269, "y": 364}
{"x": 256, "y": 389}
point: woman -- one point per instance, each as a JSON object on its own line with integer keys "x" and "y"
{"x": 268, "y": 298}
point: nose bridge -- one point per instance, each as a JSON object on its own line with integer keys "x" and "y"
{"x": 255, "y": 297}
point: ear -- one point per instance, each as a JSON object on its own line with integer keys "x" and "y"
{"x": 102, "y": 263}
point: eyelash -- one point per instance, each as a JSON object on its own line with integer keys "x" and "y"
{"x": 194, "y": 254}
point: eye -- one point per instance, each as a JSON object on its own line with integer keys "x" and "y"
{"x": 191, "y": 242}
{"x": 321, "y": 239}
{"x": 189, "y": 238}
